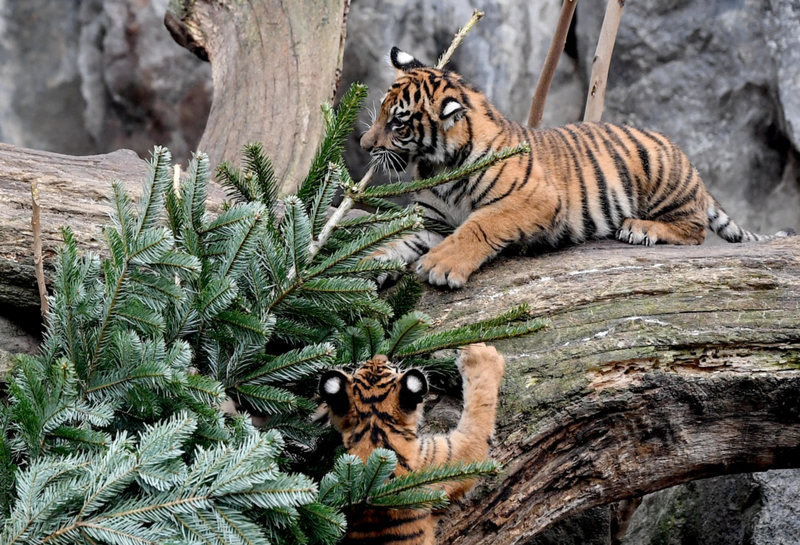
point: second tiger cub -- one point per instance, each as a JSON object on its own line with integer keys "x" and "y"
{"x": 378, "y": 406}
{"x": 580, "y": 182}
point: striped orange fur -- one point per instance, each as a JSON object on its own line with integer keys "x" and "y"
{"x": 582, "y": 181}
{"x": 380, "y": 407}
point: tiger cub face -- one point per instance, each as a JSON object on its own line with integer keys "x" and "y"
{"x": 376, "y": 407}
{"x": 422, "y": 117}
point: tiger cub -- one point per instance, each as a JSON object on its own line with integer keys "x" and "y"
{"x": 379, "y": 407}
{"x": 581, "y": 181}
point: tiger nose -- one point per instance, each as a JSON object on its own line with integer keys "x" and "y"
{"x": 368, "y": 141}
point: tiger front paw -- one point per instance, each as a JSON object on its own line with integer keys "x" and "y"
{"x": 481, "y": 362}
{"x": 443, "y": 266}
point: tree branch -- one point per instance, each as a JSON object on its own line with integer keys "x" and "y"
{"x": 72, "y": 191}
{"x": 663, "y": 365}
{"x": 459, "y": 37}
{"x": 602, "y": 60}
{"x": 38, "y": 262}
{"x": 551, "y": 63}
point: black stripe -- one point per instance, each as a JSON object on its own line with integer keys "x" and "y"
{"x": 588, "y": 227}
{"x": 622, "y": 168}
{"x": 668, "y": 189}
{"x": 431, "y": 208}
{"x": 602, "y": 186}
{"x": 643, "y": 157}
{"x": 489, "y": 187}
{"x": 676, "y": 185}
{"x": 503, "y": 196}
{"x": 677, "y": 202}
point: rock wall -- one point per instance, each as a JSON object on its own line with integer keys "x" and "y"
{"x": 91, "y": 76}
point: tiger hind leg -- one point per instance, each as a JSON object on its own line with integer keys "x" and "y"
{"x": 648, "y": 233}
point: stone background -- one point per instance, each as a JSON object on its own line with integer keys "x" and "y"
{"x": 721, "y": 78}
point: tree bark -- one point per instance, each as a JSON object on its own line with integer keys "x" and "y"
{"x": 72, "y": 191}
{"x": 273, "y": 64}
{"x": 662, "y": 365}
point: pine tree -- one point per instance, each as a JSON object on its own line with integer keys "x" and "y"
{"x": 113, "y": 432}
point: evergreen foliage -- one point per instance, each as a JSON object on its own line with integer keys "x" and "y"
{"x": 113, "y": 432}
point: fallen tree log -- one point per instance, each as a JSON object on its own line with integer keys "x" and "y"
{"x": 662, "y": 365}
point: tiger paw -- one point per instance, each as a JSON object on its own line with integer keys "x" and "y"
{"x": 441, "y": 267}
{"x": 481, "y": 362}
{"x": 633, "y": 232}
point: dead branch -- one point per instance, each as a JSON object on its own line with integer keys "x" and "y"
{"x": 36, "y": 228}
{"x": 550, "y": 63}
{"x": 459, "y": 37}
{"x": 602, "y": 60}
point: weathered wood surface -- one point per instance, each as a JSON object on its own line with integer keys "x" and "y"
{"x": 273, "y": 64}
{"x": 662, "y": 365}
{"x": 72, "y": 191}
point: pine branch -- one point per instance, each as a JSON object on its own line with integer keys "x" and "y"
{"x": 339, "y": 127}
{"x": 402, "y": 188}
{"x": 468, "y": 335}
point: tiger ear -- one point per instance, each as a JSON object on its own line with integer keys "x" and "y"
{"x": 451, "y": 108}
{"x": 333, "y": 389}
{"x": 413, "y": 387}
{"x": 402, "y": 61}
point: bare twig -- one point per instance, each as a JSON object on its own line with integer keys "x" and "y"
{"x": 343, "y": 208}
{"x": 551, "y": 62}
{"x": 36, "y": 225}
{"x": 460, "y": 35}
{"x": 176, "y": 180}
{"x": 602, "y": 60}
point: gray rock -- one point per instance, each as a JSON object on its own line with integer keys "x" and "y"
{"x": 750, "y": 509}
{"x": 92, "y": 76}
{"x": 718, "y": 511}
{"x": 778, "y": 522}
{"x": 14, "y": 340}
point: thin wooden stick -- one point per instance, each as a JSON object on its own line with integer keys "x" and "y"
{"x": 602, "y": 60}
{"x": 343, "y": 208}
{"x": 551, "y": 62}
{"x": 176, "y": 180}
{"x": 36, "y": 225}
{"x": 460, "y": 35}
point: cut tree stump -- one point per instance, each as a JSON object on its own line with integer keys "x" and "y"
{"x": 662, "y": 365}
{"x": 273, "y": 64}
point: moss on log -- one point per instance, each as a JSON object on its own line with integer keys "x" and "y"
{"x": 662, "y": 365}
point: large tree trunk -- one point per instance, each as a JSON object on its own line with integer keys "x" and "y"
{"x": 662, "y": 365}
{"x": 273, "y": 64}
